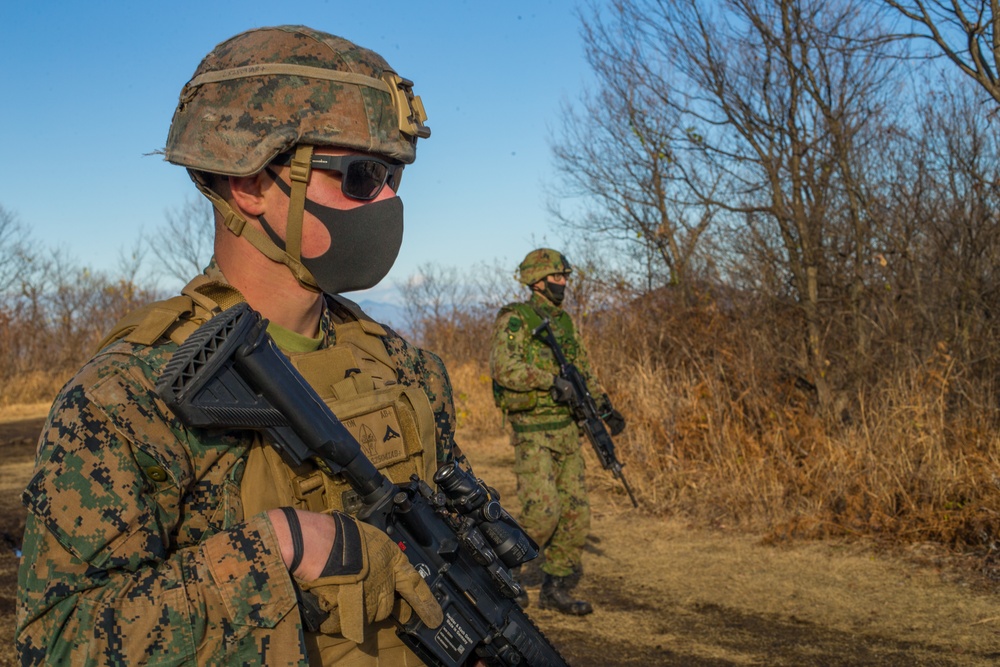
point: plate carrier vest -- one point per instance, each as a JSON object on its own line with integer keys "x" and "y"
{"x": 355, "y": 377}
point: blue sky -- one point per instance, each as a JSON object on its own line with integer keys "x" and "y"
{"x": 90, "y": 87}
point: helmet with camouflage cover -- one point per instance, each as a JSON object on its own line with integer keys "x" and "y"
{"x": 267, "y": 90}
{"x": 271, "y": 91}
{"x": 540, "y": 263}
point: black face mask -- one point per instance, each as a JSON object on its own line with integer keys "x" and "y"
{"x": 364, "y": 243}
{"x": 554, "y": 292}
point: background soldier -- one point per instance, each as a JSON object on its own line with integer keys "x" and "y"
{"x": 548, "y": 461}
{"x": 147, "y": 541}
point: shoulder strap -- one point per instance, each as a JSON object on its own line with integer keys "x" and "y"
{"x": 148, "y": 322}
{"x": 177, "y": 316}
{"x": 353, "y": 311}
{"x": 359, "y": 329}
{"x": 530, "y": 316}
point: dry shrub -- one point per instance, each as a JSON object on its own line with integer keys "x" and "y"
{"x": 914, "y": 469}
{"x": 49, "y": 330}
{"x": 723, "y": 431}
{"x": 473, "y": 393}
{"x": 37, "y": 386}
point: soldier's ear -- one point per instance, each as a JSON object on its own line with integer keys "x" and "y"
{"x": 248, "y": 192}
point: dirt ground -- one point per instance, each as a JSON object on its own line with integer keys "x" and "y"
{"x": 669, "y": 594}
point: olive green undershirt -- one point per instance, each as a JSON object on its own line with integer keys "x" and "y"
{"x": 289, "y": 341}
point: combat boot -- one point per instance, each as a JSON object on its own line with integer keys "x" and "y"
{"x": 555, "y": 595}
{"x": 530, "y": 573}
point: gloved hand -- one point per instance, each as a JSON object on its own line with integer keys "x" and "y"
{"x": 561, "y": 390}
{"x": 364, "y": 572}
{"x": 614, "y": 419}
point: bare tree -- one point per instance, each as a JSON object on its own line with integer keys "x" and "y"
{"x": 443, "y": 311}
{"x": 770, "y": 111}
{"x": 14, "y": 249}
{"x": 942, "y": 240}
{"x": 184, "y": 246}
{"x": 967, "y": 32}
{"x": 616, "y": 154}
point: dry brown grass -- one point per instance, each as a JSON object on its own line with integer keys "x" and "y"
{"x": 23, "y": 411}
{"x": 474, "y": 405}
{"x": 33, "y": 387}
{"x": 721, "y": 434}
{"x": 50, "y": 328}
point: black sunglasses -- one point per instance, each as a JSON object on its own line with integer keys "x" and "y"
{"x": 361, "y": 177}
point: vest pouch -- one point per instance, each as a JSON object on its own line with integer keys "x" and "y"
{"x": 513, "y": 401}
{"x": 390, "y": 425}
{"x": 395, "y": 428}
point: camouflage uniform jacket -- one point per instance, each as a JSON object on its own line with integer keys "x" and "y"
{"x": 136, "y": 550}
{"x": 523, "y": 367}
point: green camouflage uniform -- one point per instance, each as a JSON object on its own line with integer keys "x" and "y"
{"x": 136, "y": 550}
{"x": 549, "y": 463}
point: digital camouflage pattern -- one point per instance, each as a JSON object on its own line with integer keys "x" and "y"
{"x": 540, "y": 263}
{"x": 521, "y": 363}
{"x": 236, "y": 125}
{"x": 548, "y": 462}
{"x": 551, "y": 487}
{"x": 136, "y": 548}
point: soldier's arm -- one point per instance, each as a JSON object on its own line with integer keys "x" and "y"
{"x": 508, "y": 362}
{"x": 439, "y": 391}
{"x": 102, "y": 579}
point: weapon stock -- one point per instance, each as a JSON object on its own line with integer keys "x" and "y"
{"x": 230, "y": 375}
{"x": 584, "y": 408}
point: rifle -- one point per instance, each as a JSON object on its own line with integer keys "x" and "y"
{"x": 585, "y": 412}
{"x": 230, "y": 375}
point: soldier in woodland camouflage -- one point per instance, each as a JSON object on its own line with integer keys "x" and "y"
{"x": 549, "y": 464}
{"x": 151, "y": 543}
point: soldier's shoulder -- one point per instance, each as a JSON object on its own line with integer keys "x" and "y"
{"x": 110, "y": 396}
{"x": 513, "y": 306}
{"x": 141, "y": 363}
{"x": 519, "y": 309}
{"x": 508, "y": 320}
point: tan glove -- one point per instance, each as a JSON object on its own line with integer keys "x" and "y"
{"x": 358, "y": 587}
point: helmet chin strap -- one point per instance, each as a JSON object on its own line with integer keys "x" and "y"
{"x": 300, "y": 167}
{"x": 291, "y": 255}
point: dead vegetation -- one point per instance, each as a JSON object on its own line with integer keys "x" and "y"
{"x": 721, "y": 432}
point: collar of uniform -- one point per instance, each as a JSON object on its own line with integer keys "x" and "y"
{"x": 289, "y": 341}
{"x": 543, "y": 305}
{"x": 214, "y": 273}
{"x": 326, "y": 326}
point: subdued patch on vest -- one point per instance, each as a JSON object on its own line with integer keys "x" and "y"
{"x": 370, "y": 429}
{"x": 514, "y": 324}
